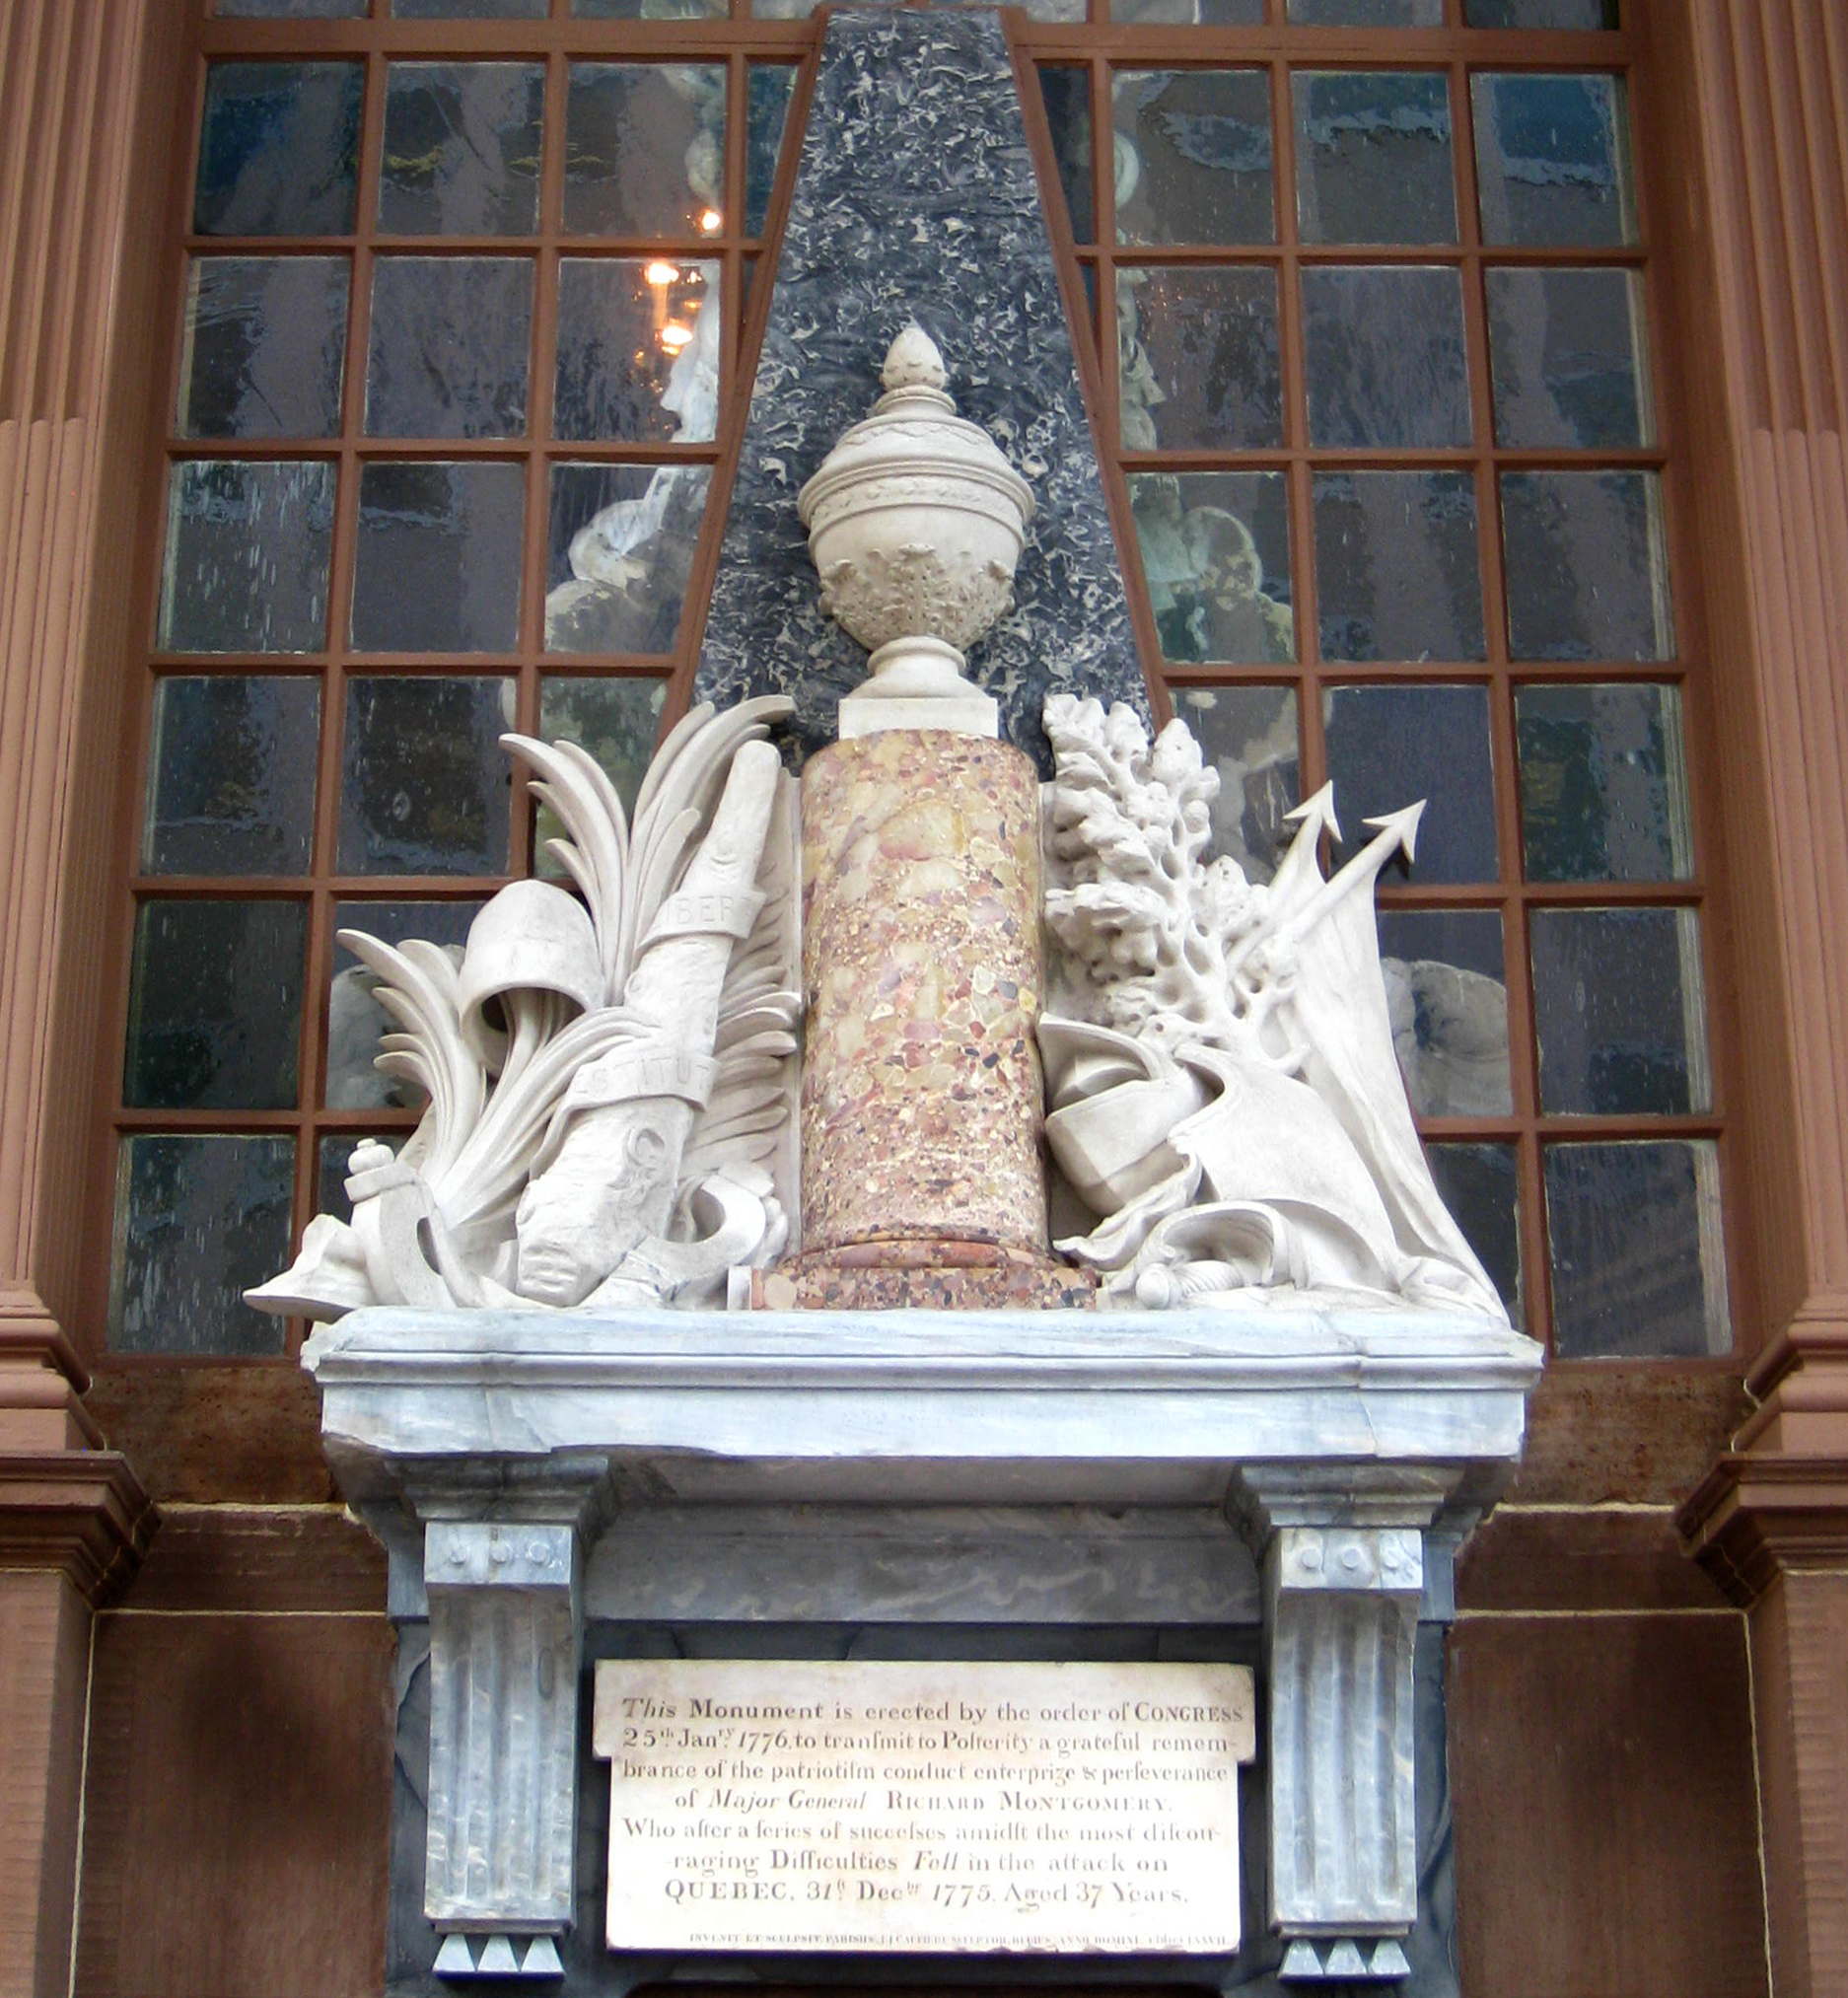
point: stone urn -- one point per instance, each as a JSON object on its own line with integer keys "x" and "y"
{"x": 916, "y": 521}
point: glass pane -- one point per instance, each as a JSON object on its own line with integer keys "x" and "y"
{"x": 424, "y": 782}
{"x": 1619, "y": 1013}
{"x": 1638, "y": 1251}
{"x": 1588, "y": 568}
{"x": 767, "y": 95}
{"x": 1540, "y": 13}
{"x": 461, "y": 149}
{"x": 1477, "y": 1183}
{"x": 1567, "y": 349}
{"x": 616, "y": 721}
{"x": 1367, "y": 13}
{"x": 1604, "y": 783}
{"x": 292, "y": 10}
{"x": 448, "y": 346}
{"x": 438, "y": 566}
{"x": 622, "y": 540}
{"x": 265, "y": 341}
{"x": 1385, "y": 357}
{"x": 231, "y": 776}
{"x": 638, "y": 350}
{"x": 471, "y": 10}
{"x": 1248, "y": 734}
{"x": 1197, "y": 358}
{"x": 1067, "y": 95}
{"x": 1448, "y": 1000}
{"x": 1193, "y": 156}
{"x": 649, "y": 10}
{"x": 1215, "y": 550}
{"x": 645, "y": 149}
{"x": 356, "y": 1022}
{"x": 278, "y": 149}
{"x": 198, "y": 1220}
{"x": 215, "y": 1004}
{"x": 1373, "y": 157}
{"x": 1186, "y": 13}
{"x": 1396, "y": 565}
{"x": 248, "y": 548}
{"x": 1390, "y": 746}
{"x": 1553, "y": 159}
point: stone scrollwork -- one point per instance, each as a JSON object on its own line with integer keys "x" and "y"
{"x": 1222, "y": 1087}
{"x": 611, "y": 1081}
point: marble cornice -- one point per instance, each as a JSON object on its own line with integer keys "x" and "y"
{"x": 82, "y": 1512}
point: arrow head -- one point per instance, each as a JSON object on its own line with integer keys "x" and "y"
{"x": 1318, "y": 806}
{"x": 1403, "y": 825}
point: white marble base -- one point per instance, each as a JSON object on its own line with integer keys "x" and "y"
{"x": 963, "y": 714}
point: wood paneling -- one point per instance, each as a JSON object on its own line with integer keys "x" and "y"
{"x": 1622, "y": 1559}
{"x": 1605, "y": 1814}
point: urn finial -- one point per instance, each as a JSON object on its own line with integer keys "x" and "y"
{"x": 913, "y": 362}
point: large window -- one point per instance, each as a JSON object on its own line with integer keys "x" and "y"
{"x": 460, "y": 328}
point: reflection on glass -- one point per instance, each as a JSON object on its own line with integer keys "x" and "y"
{"x": 1367, "y": 13}
{"x": 1373, "y": 157}
{"x": 265, "y": 341}
{"x": 1478, "y": 1184}
{"x": 1248, "y": 734}
{"x": 1588, "y": 566}
{"x": 766, "y": 96}
{"x": 1567, "y": 351}
{"x": 230, "y": 775}
{"x": 1619, "y": 1012}
{"x": 424, "y": 782}
{"x": 215, "y": 1004}
{"x": 1215, "y": 549}
{"x": 645, "y": 149}
{"x": 616, "y": 721}
{"x": 461, "y": 149}
{"x": 1540, "y": 13}
{"x": 1192, "y": 155}
{"x": 278, "y": 149}
{"x": 648, "y": 10}
{"x": 1066, "y": 91}
{"x": 1448, "y": 998}
{"x": 293, "y": 10}
{"x": 438, "y": 564}
{"x": 1553, "y": 159}
{"x": 1180, "y": 13}
{"x": 638, "y": 350}
{"x": 1385, "y": 356}
{"x": 356, "y": 1022}
{"x": 622, "y": 541}
{"x": 449, "y": 343}
{"x": 247, "y": 546}
{"x": 1197, "y": 361}
{"x": 198, "y": 1220}
{"x": 1638, "y": 1249}
{"x": 1604, "y": 783}
{"x": 1390, "y": 746}
{"x": 1396, "y": 565}
{"x": 471, "y": 10}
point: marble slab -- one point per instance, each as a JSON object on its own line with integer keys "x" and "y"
{"x": 915, "y": 199}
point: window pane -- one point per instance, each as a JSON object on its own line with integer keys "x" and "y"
{"x": 1198, "y": 363}
{"x": 1390, "y": 746}
{"x": 265, "y": 337}
{"x": 1215, "y": 550}
{"x": 1567, "y": 348}
{"x": 438, "y": 566}
{"x": 198, "y": 1220}
{"x": 1619, "y": 1013}
{"x": 1396, "y": 565}
{"x": 1637, "y": 1253}
{"x": 292, "y": 10}
{"x": 356, "y": 1022}
{"x": 424, "y": 782}
{"x": 1067, "y": 95}
{"x": 622, "y": 541}
{"x": 449, "y": 343}
{"x": 461, "y": 149}
{"x": 648, "y": 10}
{"x": 1193, "y": 156}
{"x": 1587, "y": 570}
{"x": 1385, "y": 357}
{"x": 1540, "y": 13}
{"x": 215, "y": 1004}
{"x": 645, "y": 149}
{"x": 1373, "y": 157}
{"x": 1184, "y": 12}
{"x": 1248, "y": 734}
{"x": 616, "y": 721}
{"x": 1553, "y": 159}
{"x": 1449, "y": 1002}
{"x": 767, "y": 94}
{"x": 1479, "y": 1186}
{"x": 248, "y": 548}
{"x": 1604, "y": 783}
{"x": 471, "y": 10}
{"x": 231, "y": 776}
{"x": 278, "y": 149}
{"x": 1367, "y": 13}
{"x": 638, "y": 350}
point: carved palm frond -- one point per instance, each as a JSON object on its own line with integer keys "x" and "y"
{"x": 596, "y": 854}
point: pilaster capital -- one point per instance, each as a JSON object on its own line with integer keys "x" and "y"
{"x": 1757, "y": 1515}
{"x": 80, "y": 1511}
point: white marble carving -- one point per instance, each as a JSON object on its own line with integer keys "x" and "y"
{"x": 1222, "y": 1086}
{"x": 611, "y": 1081}
{"x": 916, "y": 521}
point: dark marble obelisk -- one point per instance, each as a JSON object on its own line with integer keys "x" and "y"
{"x": 915, "y": 199}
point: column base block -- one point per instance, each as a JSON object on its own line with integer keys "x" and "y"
{"x": 931, "y": 1274}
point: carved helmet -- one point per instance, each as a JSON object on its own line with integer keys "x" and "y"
{"x": 530, "y": 938}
